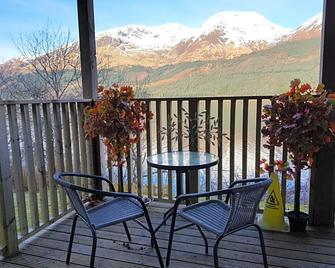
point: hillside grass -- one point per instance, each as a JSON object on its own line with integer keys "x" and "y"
{"x": 261, "y": 73}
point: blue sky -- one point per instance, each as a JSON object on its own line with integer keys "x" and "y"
{"x": 23, "y": 16}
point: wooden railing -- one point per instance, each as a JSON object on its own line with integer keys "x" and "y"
{"x": 238, "y": 117}
{"x": 39, "y": 138}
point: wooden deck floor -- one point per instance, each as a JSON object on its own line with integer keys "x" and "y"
{"x": 316, "y": 248}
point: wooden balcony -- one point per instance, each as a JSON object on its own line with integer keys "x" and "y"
{"x": 41, "y": 138}
{"x": 48, "y": 248}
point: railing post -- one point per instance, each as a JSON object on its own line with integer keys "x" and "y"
{"x": 89, "y": 68}
{"x": 8, "y": 234}
{"x": 322, "y": 188}
{"x": 87, "y": 48}
{"x": 96, "y": 160}
{"x": 193, "y": 176}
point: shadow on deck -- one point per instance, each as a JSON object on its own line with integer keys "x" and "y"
{"x": 47, "y": 249}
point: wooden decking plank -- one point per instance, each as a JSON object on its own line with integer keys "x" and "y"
{"x": 303, "y": 239}
{"x": 240, "y": 246}
{"x": 48, "y": 249}
{"x": 142, "y": 234}
{"x": 141, "y": 255}
{"x": 43, "y": 261}
{"x": 181, "y": 250}
{"x": 11, "y": 265}
{"x": 111, "y": 247}
{"x": 296, "y": 247}
{"x": 234, "y": 240}
{"x": 77, "y": 260}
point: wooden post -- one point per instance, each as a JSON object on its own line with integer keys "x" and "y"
{"x": 245, "y": 139}
{"x": 193, "y": 176}
{"x": 30, "y": 165}
{"x": 87, "y": 48}
{"x": 232, "y": 141}
{"x": 50, "y": 154}
{"x": 139, "y": 164}
{"x": 148, "y": 137}
{"x": 40, "y": 163}
{"x": 17, "y": 169}
{"x": 59, "y": 152}
{"x": 220, "y": 143}
{"x": 8, "y": 234}
{"x": 120, "y": 178}
{"x": 89, "y": 67}
{"x": 208, "y": 142}
{"x": 159, "y": 148}
{"x": 322, "y": 191}
{"x": 169, "y": 145}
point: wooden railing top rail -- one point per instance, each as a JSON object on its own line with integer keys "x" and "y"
{"x": 207, "y": 98}
{"x": 8, "y": 102}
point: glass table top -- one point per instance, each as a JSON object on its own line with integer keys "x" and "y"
{"x": 184, "y": 160}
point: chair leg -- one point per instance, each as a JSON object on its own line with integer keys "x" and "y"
{"x": 69, "y": 250}
{"x": 154, "y": 241}
{"x": 261, "y": 238}
{"x": 215, "y": 249}
{"x": 155, "y": 244}
{"x": 94, "y": 247}
{"x": 127, "y": 231}
{"x": 205, "y": 239}
{"x": 173, "y": 223}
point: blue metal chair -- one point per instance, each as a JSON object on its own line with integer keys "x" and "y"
{"x": 122, "y": 207}
{"x": 222, "y": 218}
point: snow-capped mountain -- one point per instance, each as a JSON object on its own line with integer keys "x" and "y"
{"x": 230, "y": 34}
{"x": 149, "y": 37}
{"x": 309, "y": 29}
{"x": 225, "y": 35}
{"x": 237, "y": 28}
{"x": 311, "y": 24}
{"x": 242, "y": 27}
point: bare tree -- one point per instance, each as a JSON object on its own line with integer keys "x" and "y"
{"x": 53, "y": 62}
{"x": 5, "y": 80}
{"x": 27, "y": 86}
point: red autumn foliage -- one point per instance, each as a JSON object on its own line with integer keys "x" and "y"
{"x": 303, "y": 119}
{"x": 118, "y": 118}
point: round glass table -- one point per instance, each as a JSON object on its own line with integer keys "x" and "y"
{"x": 182, "y": 162}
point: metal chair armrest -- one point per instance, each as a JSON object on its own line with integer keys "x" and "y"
{"x": 112, "y": 194}
{"x": 89, "y": 176}
{"x": 205, "y": 194}
{"x": 238, "y": 182}
{"x": 242, "y": 182}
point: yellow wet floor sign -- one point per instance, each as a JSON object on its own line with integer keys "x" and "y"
{"x": 272, "y": 201}
{"x": 273, "y": 215}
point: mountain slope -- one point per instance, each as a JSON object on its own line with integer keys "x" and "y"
{"x": 225, "y": 35}
{"x": 264, "y": 72}
{"x": 308, "y": 30}
{"x": 261, "y": 73}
